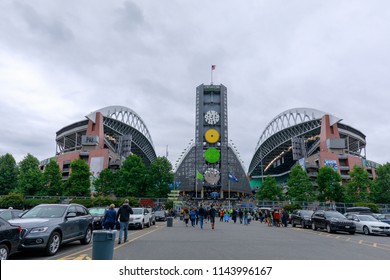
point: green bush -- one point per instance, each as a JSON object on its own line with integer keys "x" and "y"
{"x": 32, "y": 202}
{"x": 292, "y": 207}
{"x": 13, "y": 200}
{"x": 374, "y": 208}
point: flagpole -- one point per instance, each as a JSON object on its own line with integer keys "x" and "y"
{"x": 196, "y": 187}
{"x": 229, "y": 192}
{"x": 211, "y": 75}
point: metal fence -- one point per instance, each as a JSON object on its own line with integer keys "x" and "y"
{"x": 341, "y": 207}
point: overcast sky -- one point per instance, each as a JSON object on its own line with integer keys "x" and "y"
{"x": 60, "y": 60}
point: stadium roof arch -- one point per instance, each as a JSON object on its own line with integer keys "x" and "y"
{"x": 117, "y": 121}
{"x": 275, "y": 140}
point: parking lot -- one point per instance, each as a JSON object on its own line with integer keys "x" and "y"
{"x": 233, "y": 241}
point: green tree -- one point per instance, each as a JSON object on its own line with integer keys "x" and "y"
{"x": 78, "y": 183}
{"x": 160, "y": 175}
{"x": 270, "y": 190}
{"x": 329, "y": 186}
{"x": 8, "y": 174}
{"x": 30, "y": 177}
{"x": 52, "y": 179}
{"x": 380, "y": 192}
{"x": 299, "y": 185}
{"x": 358, "y": 187}
{"x": 106, "y": 183}
{"x": 131, "y": 178}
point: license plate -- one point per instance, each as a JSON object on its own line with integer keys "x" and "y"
{"x": 346, "y": 226}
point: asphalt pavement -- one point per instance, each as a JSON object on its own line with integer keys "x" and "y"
{"x": 229, "y": 241}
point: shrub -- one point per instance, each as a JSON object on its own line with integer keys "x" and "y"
{"x": 292, "y": 207}
{"x": 374, "y": 208}
{"x": 13, "y": 200}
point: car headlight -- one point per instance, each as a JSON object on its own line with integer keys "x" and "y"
{"x": 374, "y": 226}
{"x": 39, "y": 230}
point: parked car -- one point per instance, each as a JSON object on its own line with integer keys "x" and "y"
{"x": 369, "y": 225}
{"x": 152, "y": 216}
{"x": 302, "y": 218}
{"x": 48, "y": 226}
{"x": 332, "y": 221}
{"x": 8, "y": 214}
{"x": 98, "y": 215}
{"x": 385, "y": 218}
{"x": 141, "y": 217}
{"x": 10, "y": 237}
{"x": 359, "y": 210}
{"x": 160, "y": 215}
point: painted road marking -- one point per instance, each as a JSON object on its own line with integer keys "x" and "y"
{"x": 79, "y": 256}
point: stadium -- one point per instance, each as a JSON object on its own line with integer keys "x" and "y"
{"x": 105, "y": 138}
{"x": 311, "y": 137}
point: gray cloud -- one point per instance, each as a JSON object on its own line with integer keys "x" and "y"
{"x": 62, "y": 60}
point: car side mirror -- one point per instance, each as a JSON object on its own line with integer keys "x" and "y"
{"x": 356, "y": 219}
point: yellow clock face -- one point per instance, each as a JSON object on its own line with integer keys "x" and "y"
{"x": 211, "y": 135}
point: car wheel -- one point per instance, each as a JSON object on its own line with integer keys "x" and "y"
{"x": 4, "y": 252}
{"x": 292, "y": 224}
{"x": 148, "y": 224}
{"x": 313, "y": 226}
{"x": 303, "y": 224}
{"x": 154, "y": 222}
{"x": 366, "y": 230}
{"x": 53, "y": 244}
{"x": 87, "y": 237}
{"x": 328, "y": 229}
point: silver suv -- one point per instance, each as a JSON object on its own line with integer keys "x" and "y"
{"x": 141, "y": 217}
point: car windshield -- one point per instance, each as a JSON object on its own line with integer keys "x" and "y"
{"x": 367, "y": 218}
{"x": 97, "y": 211}
{"x": 160, "y": 213}
{"x": 137, "y": 211}
{"x": 334, "y": 214}
{"x": 307, "y": 212}
{"x": 47, "y": 211}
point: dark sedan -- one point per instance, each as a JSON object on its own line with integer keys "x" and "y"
{"x": 160, "y": 215}
{"x": 332, "y": 221}
{"x": 98, "y": 215}
{"x": 10, "y": 237}
{"x": 9, "y": 214}
{"x": 302, "y": 218}
{"x": 50, "y": 225}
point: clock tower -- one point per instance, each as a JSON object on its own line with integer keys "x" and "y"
{"x": 211, "y": 139}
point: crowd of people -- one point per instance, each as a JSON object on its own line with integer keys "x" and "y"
{"x": 199, "y": 215}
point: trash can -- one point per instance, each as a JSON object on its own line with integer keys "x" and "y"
{"x": 169, "y": 222}
{"x": 181, "y": 217}
{"x": 103, "y": 244}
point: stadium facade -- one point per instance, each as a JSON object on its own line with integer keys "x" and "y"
{"x": 104, "y": 139}
{"x": 210, "y": 167}
{"x": 313, "y": 139}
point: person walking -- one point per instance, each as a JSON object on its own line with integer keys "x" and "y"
{"x": 234, "y": 215}
{"x": 193, "y": 217}
{"x": 240, "y": 215}
{"x": 284, "y": 217}
{"x": 201, "y": 215}
{"x": 212, "y": 214}
{"x": 123, "y": 215}
{"x": 186, "y": 216}
{"x": 109, "y": 219}
{"x": 246, "y": 211}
